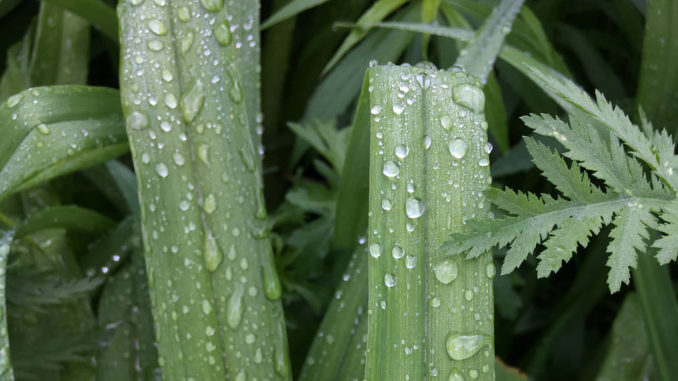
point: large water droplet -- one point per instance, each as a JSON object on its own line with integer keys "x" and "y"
{"x": 455, "y": 375}
{"x": 223, "y": 33}
{"x": 213, "y": 255}
{"x": 235, "y": 306}
{"x": 398, "y": 109}
{"x": 157, "y": 27}
{"x": 446, "y": 122}
{"x": 461, "y": 347}
{"x": 397, "y": 252}
{"x": 402, "y": 151}
{"x": 391, "y": 169}
{"x": 212, "y": 5}
{"x": 161, "y": 170}
{"x": 191, "y": 103}
{"x": 386, "y": 204}
{"x": 155, "y": 45}
{"x": 136, "y": 120}
{"x": 457, "y": 148}
{"x": 414, "y": 207}
{"x": 469, "y": 96}
{"x": 389, "y": 280}
{"x": 446, "y": 271}
{"x": 375, "y": 250}
{"x": 178, "y": 159}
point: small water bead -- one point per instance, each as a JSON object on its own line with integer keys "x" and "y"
{"x": 386, "y": 204}
{"x": 250, "y": 338}
{"x": 390, "y": 169}
{"x": 203, "y": 153}
{"x": 427, "y": 142}
{"x": 192, "y": 102}
{"x": 160, "y": 3}
{"x": 184, "y": 205}
{"x": 468, "y": 295}
{"x": 137, "y": 120}
{"x": 236, "y": 92}
{"x": 402, "y": 151}
{"x": 398, "y": 109}
{"x": 435, "y": 302}
{"x": 14, "y": 100}
{"x": 455, "y": 375}
{"x": 473, "y": 373}
{"x": 490, "y": 270}
{"x": 235, "y": 306}
{"x": 223, "y": 33}
{"x": 414, "y": 207}
{"x": 446, "y": 122}
{"x": 212, "y": 5}
{"x": 167, "y": 75}
{"x": 157, "y": 27}
{"x": 469, "y": 96}
{"x": 375, "y": 110}
{"x": 389, "y": 280}
{"x": 397, "y": 252}
{"x": 213, "y": 255}
{"x": 462, "y": 347}
{"x": 484, "y": 125}
{"x": 375, "y": 250}
{"x": 457, "y": 148}
{"x": 241, "y": 376}
{"x": 210, "y": 204}
{"x": 410, "y": 188}
{"x": 488, "y": 148}
{"x": 42, "y": 127}
{"x": 155, "y": 45}
{"x": 171, "y": 101}
{"x": 206, "y": 307}
{"x": 178, "y": 159}
{"x": 409, "y": 227}
{"x": 165, "y": 126}
{"x": 184, "y": 14}
{"x": 411, "y": 262}
{"x": 161, "y": 170}
{"x": 446, "y": 271}
{"x": 186, "y": 42}
{"x": 483, "y": 162}
{"x": 145, "y": 158}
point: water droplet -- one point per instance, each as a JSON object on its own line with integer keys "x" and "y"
{"x": 483, "y": 162}
{"x": 178, "y": 159}
{"x": 145, "y": 158}
{"x": 14, "y": 100}
{"x": 386, "y": 204}
{"x": 247, "y": 159}
{"x": 402, "y": 151}
{"x": 213, "y": 255}
{"x": 446, "y": 271}
{"x": 165, "y": 126}
{"x": 203, "y": 153}
{"x": 389, "y": 280}
{"x": 375, "y": 250}
{"x": 223, "y": 33}
{"x": 461, "y": 347}
{"x": 375, "y": 110}
{"x": 210, "y": 204}
{"x": 212, "y": 5}
{"x": 398, "y": 109}
{"x": 411, "y": 262}
{"x": 42, "y": 127}
{"x": 414, "y": 207}
{"x": 161, "y": 169}
{"x": 157, "y": 27}
{"x": 391, "y": 169}
{"x": 186, "y": 42}
{"x": 236, "y": 92}
{"x": 184, "y": 205}
{"x": 409, "y": 227}
{"x": 468, "y": 295}
{"x": 446, "y": 122}
{"x": 488, "y": 148}
{"x": 427, "y": 142}
{"x": 435, "y": 302}
{"x": 397, "y": 252}
{"x": 473, "y": 373}
{"x": 455, "y": 375}
{"x": 191, "y": 103}
{"x": 469, "y": 96}
{"x": 242, "y": 376}
{"x": 136, "y": 120}
{"x": 155, "y": 45}
{"x": 490, "y": 270}
{"x": 272, "y": 288}
{"x": 457, "y": 148}
{"x": 206, "y": 307}
{"x": 167, "y": 75}
{"x": 184, "y": 14}
{"x": 235, "y": 306}
{"x": 171, "y": 101}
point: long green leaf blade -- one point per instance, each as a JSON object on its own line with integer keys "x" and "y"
{"x": 429, "y": 314}
{"x": 6, "y": 373}
{"x": 50, "y": 131}
{"x": 292, "y": 9}
{"x": 98, "y": 13}
{"x": 211, "y": 271}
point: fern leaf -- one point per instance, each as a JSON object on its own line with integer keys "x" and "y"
{"x": 522, "y": 204}
{"x": 668, "y": 244}
{"x": 563, "y": 243}
{"x": 627, "y": 236}
{"x": 571, "y": 182}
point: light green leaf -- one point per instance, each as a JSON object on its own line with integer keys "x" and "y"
{"x": 290, "y": 10}
{"x": 65, "y": 217}
{"x": 98, "y": 13}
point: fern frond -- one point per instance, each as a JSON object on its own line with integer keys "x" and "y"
{"x": 563, "y": 242}
{"x": 668, "y": 243}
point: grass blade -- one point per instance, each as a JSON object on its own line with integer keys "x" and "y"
{"x": 50, "y": 131}
{"x": 292, "y": 9}
{"x": 98, "y": 13}
{"x": 6, "y": 373}
{"x": 659, "y": 81}
{"x": 428, "y": 168}
{"x": 202, "y": 205}
{"x": 65, "y": 217}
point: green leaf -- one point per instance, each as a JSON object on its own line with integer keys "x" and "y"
{"x": 6, "y": 372}
{"x": 376, "y": 13}
{"x": 202, "y": 206}
{"x": 658, "y": 82}
{"x": 65, "y": 217}
{"x": 34, "y": 289}
{"x": 111, "y": 249}
{"x": 126, "y": 181}
{"x": 426, "y": 180}
{"x": 668, "y": 243}
{"x": 97, "y": 13}
{"x": 52, "y": 131}
{"x": 325, "y": 138}
{"x": 292, "y": 9}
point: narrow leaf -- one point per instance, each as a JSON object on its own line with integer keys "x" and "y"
{"x": 65, "y": 217}
{"x": 98, "y": 13}
{"x": 290, "y": 10}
